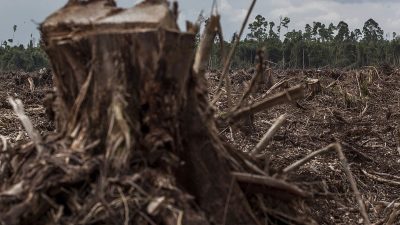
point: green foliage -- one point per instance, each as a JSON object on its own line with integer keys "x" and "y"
{"x": 21, "y": 58}
{"x": 372, "y": 31}
{"x": 319, "y": 45}
{"x": 258, "y": 29}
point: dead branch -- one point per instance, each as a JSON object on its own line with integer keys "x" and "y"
{"x": 255, "y": 168}
{"x": 270, "y": 182}
{"x": 205, "y": 46}
{"x": 388, "y": 204}
{"x": 380, "y": 179}
{"x": 126, "y": 207}
{"x": 386, "y": 175}
{"x": 4, "y": 141}
{"x": 376, "y": 71}
{"x": 287, "y": 96}
{"x": 393, "y": 216}
{"x": 266, "y": 139}
{"x": 3, "y": 156}
{"x": 231, "y": 53}
{"x": 277, "y": 85}
{"x": 308, "y": 158}
{"x": 353, "y": 183}
{"x": 31, "y": 84}
{"x": 358, "y": 84}
{"x": 26, "y": 122}
{"x": 364, "y": 110}
{"x": 254, "y": 80}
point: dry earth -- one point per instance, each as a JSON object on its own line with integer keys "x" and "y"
{"x": 362, "y": 115}
{"x": 359, "y": 109}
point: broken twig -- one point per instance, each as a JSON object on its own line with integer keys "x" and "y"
{"x": 270, "y": 182}
{"x": 308, "y": 158}
{"x": 205, "y": 46}
{"x": 253, "y": 83}
{"x": 353, "y": 183}
{"x": 26, "y": 122}
{"x": 380, "y": 179}
{"x": 231, "y": 53}
{"x": 287, "y": 96}
{"x": 266, "y": 139}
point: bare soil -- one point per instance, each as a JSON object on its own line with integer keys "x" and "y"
{"x": 16, "y": 85}
{"x": 359, "y": 109}
{"x": 367, "y": 126}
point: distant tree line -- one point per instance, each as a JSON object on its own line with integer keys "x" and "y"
{"x": 19, "y": 57}
{"x": 318, "y": 45}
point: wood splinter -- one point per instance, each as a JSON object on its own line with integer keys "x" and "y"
{"x": 266, "y": 139}
{"x": 287, "y": 96}
{"x": 270, "y": 182}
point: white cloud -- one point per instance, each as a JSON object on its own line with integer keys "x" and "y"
{"x": 234, "y": 15}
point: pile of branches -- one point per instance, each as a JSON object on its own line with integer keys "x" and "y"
{"x": 88, "y": 173}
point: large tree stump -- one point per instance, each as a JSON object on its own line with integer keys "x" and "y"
{"x": 129, "y": 110}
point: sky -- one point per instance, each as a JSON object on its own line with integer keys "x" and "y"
{"x": 27, "y": 14}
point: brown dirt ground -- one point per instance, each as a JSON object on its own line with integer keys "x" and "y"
{"x": 16, "y": 85}
{"x": 370, "y": 140}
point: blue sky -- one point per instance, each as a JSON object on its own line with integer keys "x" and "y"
{"x": 26, "y": 14}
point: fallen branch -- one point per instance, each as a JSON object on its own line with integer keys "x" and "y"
{"x": 270, "y": 182}
{"x": 376, "y": 71}
{"x": 353, "y": 183}
{"x": 380, "y": 179}
{"x": 364, "y": 111}
{"x": 287, "y": 96}
{"x": 4, "y": 158}
{"x": 354, "y": 150}
{"x": 277, "y": 85}
{"x": 205, "y": 46}
{"x": 386, "y": 175}
{"x": 358, "y": 84}
{"x": 32, "y": 133}
{"x": 253, "y": 82}
{"x": 393, "y": 216}
{"x": 231, "y": 53}
{"x": 4, "y": 141}
{"x": 266, "y": 139}
{"x": 388, "y": 204}
{"x": 308, "y": 158}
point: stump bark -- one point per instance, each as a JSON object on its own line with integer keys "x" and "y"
{"x": 129, "y": 110}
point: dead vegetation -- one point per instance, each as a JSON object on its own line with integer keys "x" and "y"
{"x": 338, "y": 112}
{"x": 143, "y": 139}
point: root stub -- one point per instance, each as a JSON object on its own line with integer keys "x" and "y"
{"x": 136, "y": 141}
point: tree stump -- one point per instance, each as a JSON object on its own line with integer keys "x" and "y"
{"x": 136, "y": 141}
{"x": 314, "y": 86}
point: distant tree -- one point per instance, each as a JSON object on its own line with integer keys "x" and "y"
{"x": 372, "y": 31}
{"x": 30, "y": 45}
{"x": 283, "y": 22}
{"x": 355, "y": 35}
{"x": 331, "y": 30}
{"x": 272, "y": 34}
{"x": 258, "y": 29}
{"x": 343, "y": 32}
{"x": 14, "y": 30}
{"x": 320, "y": 45}
{"x": 307, "y": 32}
{"x": 316, "y": 30}
{"x": 323, "y": 33}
